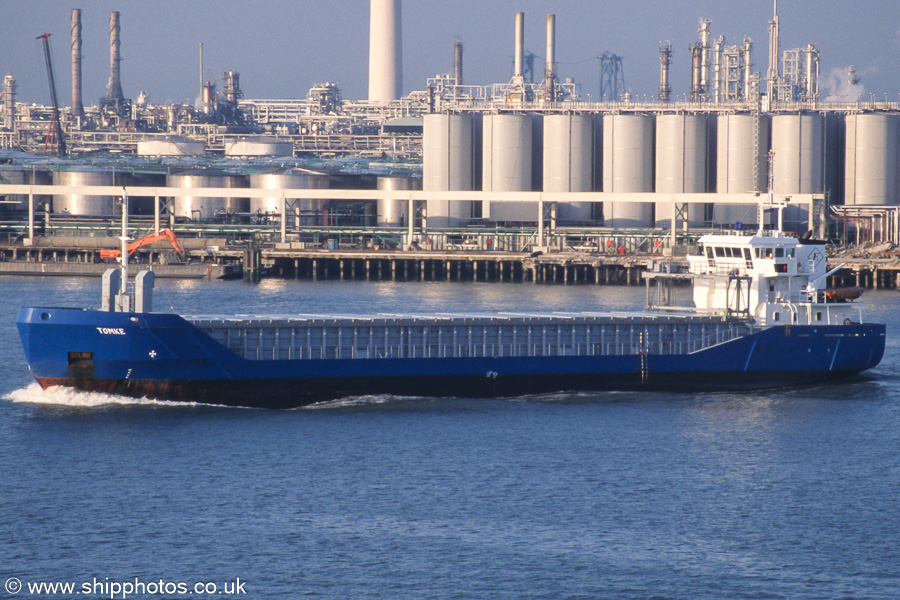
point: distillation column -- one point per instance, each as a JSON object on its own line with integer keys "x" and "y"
{"x": 77, "y": 104}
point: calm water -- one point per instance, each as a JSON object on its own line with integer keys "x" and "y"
{"x": 794, "y": 494}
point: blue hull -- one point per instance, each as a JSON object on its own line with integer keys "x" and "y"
{"x": 165, "y": 357}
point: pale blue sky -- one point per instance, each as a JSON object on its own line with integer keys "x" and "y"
{"x": 281, "y": 48}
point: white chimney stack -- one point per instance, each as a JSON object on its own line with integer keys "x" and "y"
{"x": 77, "y": 104}
{"x": 550, "y": 64}
{"x": 385, "y": 55}
{"x": 115, "y": 78}
{"x": 518, "y": 69}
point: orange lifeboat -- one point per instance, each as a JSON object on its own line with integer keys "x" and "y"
{"x": 843, "y": 294}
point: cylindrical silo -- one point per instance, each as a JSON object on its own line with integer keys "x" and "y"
{"x": 202, "y": 207}
{"x": 871, "y": 159}
{"x": 286, "y": 180}
{"x": 798, "y": 146}
{"x": 835, "y": 149}
{"x": 628, "y": 167}
{"x": 741, "y": 166}
{"x": 798, "y": 152}
{"x": 79, "y": 204}
{"x": 258, "y": 146}
{"x": 682, "y": 163}
{"x": 448, "y": 164}
{"x": 569, "y": 161}
{"x": 171, "y": 145}
{"x": 143, "y": 205}
{"x": 21, "y": 175}
{"x": 393, "y": 212}
{"x": 507, "y": 165}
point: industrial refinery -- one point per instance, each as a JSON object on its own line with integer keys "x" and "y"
{"x": 523, "y": 165}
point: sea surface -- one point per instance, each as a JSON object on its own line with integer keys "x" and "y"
{"x": 783, "y": 494}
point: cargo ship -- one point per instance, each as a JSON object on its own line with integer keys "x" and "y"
{"x": 761, "y": 318}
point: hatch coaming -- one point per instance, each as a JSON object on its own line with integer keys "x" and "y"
{"x": 469, "y": 337}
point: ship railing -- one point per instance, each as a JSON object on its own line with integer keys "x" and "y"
{"x": 696, "y": 268}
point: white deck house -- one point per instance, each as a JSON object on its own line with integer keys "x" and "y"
{"x": 769, "y": 277}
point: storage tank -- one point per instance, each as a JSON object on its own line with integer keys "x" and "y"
{"x": 507, "y": 165}
{"x": 258, "y": 146}
{"x": 628, "y": 167}
{"x": 21, "y": 175}
{"x": 798, "y": 151}
{"x": 569, "y": 162}
{"x": 741, "y": 165}
{"x": 171, "y": 145}
{"x": 835, "y": 149}
{"x": 798, "y": 167}
{"x": 448, "y": 163}
{"x": 682, "y": 163}
{"x": 82, "y": 205}
{"x": 206, "y": 208}
{"x": 394, "y": 212}
{"x": 286, "y": 180}
{"x": 143, "y": 205}
{"x": 871, "y": 159}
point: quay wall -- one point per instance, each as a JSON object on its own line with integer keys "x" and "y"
{"x": 391, "y": 265}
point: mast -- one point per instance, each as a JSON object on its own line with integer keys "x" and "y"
{"x": 123, "y": 255}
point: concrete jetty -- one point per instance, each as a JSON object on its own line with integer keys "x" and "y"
{"x": 215, "y": 258}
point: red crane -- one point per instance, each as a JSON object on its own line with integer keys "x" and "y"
{"x": 55, "y": 125}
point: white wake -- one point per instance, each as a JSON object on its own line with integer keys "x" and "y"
{"x": 65, "y": 396}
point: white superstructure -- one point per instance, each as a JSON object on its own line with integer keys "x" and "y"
{"x": 769, "y": 277}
